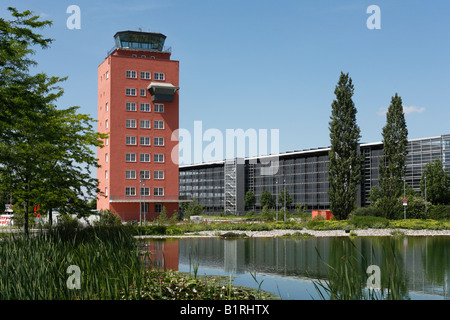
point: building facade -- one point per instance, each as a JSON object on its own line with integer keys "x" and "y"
{"x": 304, "y": 174}
{"x": 138, "y": 106}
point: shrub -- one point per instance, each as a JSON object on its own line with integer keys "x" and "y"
{"x": 439, "y": 212}
{"x": 418, "y": 224}
{"x": 366, "y": 211}
{"x": 362, "y": 222}
{"x": 174, "y": 231}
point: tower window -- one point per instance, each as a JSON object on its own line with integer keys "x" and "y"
{"x": 159, "y": 124}
{"x": 130, "y": 141}
{"x": 130, "y": 191}
{"x": 131, "y": 106}
{"x": 158, "y": 191}
{"x": 130, "y": 157}
{"x": 159, "y": 107}
{"x": 130, "y": 91}
{"x": 131, "y": 74}
{"x": 159, "y": 76}
{"x": 146, "y": 75}
{"x": 159, "y": 141}
{"x": 145, "y": 141}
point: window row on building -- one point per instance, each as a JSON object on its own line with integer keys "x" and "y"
{"x": 144, "y": 107}
{"x": 144, "y": 157}
{"x": 144, "y": 124}
{"x": 144, "y": 191}
{"x": 145, "y": 75}
{"x": 144, "y": 174}
{"x": 144, "y": 141}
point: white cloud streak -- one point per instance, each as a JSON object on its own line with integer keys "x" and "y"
{"x": 406, "y": 110}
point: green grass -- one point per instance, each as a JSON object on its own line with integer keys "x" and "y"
{"x": 111, "y": 265}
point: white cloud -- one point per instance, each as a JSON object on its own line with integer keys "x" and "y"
{"x": 406, "y": 110}
{"x": 412, "y": 109}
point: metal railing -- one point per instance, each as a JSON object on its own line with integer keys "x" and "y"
{"x": 149, "y": 198}
{"x": 165, "y": 49}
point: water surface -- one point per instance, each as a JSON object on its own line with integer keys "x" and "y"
{"x": 415, "y": 267}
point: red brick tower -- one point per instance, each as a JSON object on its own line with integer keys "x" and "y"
{"x": 138, "y": 105}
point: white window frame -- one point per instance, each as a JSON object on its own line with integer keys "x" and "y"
{"x": 143, "y": 92}
{"x": 144, "y": 191}
{"x": 143, "y": 156}
{"x": 146, "y": 174}
{"x": 159, "y": 107}
{"x": 158, "y": 124}
{"x": 145, "y": 124}
{"x": 130, "y": 157}
{"x": 146, "y": 75}
{"x": 144, "y": 141}
{"x": 130, "y": 123}
{"x": 130, "y": 106}
{"x": 158, "y": 141}
{"x": 158, "y": 191}
{"x": 158, "y": 175}
{"x": 157, "y": 157}
{"x": 160, "y": 76}
{"x": 130, "y": 191}
{"x": 131, "y": 74}
{"x": 130, "y": 140}
{"x": 130, "y": 174}
{"x": 143, "y": 107}
{"x": 130, "y": 92}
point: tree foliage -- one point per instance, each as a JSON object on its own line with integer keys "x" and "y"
{"x": 249, "y": 200}
{"x": 438, "y": 183}
{"x": 282, "y": 198}
{"x": 393, "y": 162}
{"x": 267, "y": 199}
{"x": 345, "y": 163}
{"x": 45, "y": 152}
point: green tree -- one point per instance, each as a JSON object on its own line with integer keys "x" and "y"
{"x": 393, "y": 162}
{"x": 250, "y": 200}
{"x": 281, "y": 198}
{"x": 193, "y": 209}
{"x": 345, "y": 163}
{"x": 266, "y": 199}
{"x": 438, "y": 183}
{"x": 45, "y": 152}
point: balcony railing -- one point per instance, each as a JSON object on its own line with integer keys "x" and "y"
{"x": 164, "y": 50}
{"x": 150, "y": 198}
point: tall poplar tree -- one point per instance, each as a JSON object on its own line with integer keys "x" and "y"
{"x": 393, "y": 162}
{"x": 344, "y": 168}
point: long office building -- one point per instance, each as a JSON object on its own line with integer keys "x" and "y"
{"x": 221, "y": 186}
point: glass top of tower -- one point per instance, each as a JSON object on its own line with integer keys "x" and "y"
{"x": 147, "y": 41}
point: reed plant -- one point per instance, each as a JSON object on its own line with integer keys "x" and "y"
{"x": 37, "y": 267}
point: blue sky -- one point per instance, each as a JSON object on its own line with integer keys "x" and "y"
{"x": 265, "y": 64}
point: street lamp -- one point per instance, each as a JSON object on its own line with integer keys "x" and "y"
{"x": 404, "y": 197}
{"x": 142, "y": 198}
{"x": 426, "y": 211}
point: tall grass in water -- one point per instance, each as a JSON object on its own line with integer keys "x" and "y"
{"x": 37, "y": 267}
{"x": 347, "y": 276}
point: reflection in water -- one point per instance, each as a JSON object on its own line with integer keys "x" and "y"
{"x": 408, "y": 265}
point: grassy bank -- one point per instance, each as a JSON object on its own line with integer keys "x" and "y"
{"x": 357, "y": 222}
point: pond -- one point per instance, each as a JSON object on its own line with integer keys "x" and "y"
{"x": 414, "y": 268}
